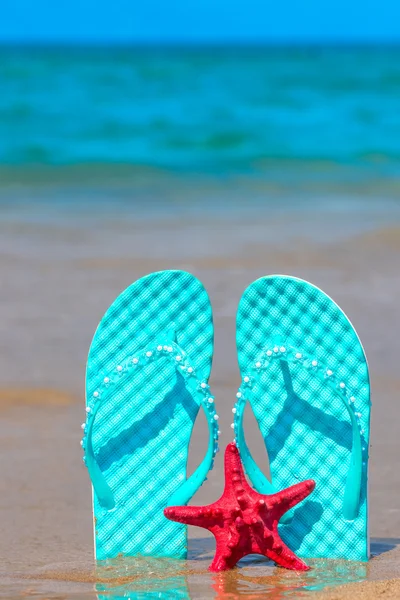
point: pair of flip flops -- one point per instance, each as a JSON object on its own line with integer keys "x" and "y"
{"x": 304, "y": 375}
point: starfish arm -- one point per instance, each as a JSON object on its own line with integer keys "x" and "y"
{"x": 285, "y": 499}
{"x": 235, "y": 479}
{"x": 284, "y": 557}
{"x": 200, "y": 516}
{"x": 227, "y": 554}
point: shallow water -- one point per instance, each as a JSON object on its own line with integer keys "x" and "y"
{"x": 254, "y": 579}
{"x": 167, "y": 578}
{"x": 146, "y": 577}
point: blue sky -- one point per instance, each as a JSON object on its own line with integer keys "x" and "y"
{"x": 200, "y": 20}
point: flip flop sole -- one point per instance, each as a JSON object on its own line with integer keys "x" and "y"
{"x": 142, "y": 430}
{"x": 306, "y": 429}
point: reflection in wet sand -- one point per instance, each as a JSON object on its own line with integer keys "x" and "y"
{"x": 255, "y": 577}
{"x": 171, "y": 587}
{"x": 277, "y": 583}
{"x": 142, "y": 577}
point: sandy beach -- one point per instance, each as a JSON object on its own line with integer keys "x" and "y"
{"x": 62, "y": 265}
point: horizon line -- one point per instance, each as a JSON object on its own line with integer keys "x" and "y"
{"x": 210, "y": 43}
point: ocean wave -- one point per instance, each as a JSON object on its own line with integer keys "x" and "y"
{"x": 226, "y": 110}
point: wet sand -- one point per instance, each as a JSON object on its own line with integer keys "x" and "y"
{"x": 61, "y": 269}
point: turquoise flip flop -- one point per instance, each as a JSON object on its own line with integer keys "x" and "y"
{"x": 305, "y": 376}
{"x": 147, "y": 376}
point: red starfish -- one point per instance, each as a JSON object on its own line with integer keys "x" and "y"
{"x": 243, "y": 521}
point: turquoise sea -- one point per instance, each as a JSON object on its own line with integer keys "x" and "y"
{"x": 307, "y": 115}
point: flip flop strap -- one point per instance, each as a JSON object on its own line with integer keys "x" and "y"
{"x": 195, "y": 385}
{"x": 299, "y": 359}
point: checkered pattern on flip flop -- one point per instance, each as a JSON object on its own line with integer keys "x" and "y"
{"x": 141, "y": 434}
{"x": 306, "y": 429}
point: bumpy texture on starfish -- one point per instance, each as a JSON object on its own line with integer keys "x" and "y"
{"x": 243, "y": 521}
